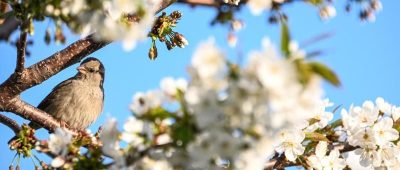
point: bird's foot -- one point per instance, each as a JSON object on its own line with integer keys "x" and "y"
{"x": 64, "y": 125}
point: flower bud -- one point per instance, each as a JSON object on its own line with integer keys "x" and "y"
{"x": 327, "y": 12}
{"x": 180, "y": 40}
{"x": 153, "y": 52}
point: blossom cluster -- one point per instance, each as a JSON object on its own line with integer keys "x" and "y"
{"x": 128, "y": 21}
{"x": 241, "y": 117}
{"x": 370, "y": 131}
{"x": 373, "y": 128}
{"x": 224, "y": 116}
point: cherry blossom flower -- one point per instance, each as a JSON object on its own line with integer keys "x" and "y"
{"x": 209, "y": 61}
{"x": 384, "y": 131}
{"x": 109, "y": 137}
{"x": 143, "y": 102}
{"x": 132, "y": 128}
{"x": 291, "y": 144}
{"x": 170, "y": 86}
{"x": 58, "y": 145}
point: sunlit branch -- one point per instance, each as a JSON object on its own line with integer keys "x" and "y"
{"x": 12, "y": 124}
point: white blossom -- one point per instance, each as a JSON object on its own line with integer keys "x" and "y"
{"x": 316, "y": 161}
{"x": 107, "y": 23}
{"x": 363, "y": 137}
{"x": 368, "y": 155}
{"x": 109, "y": 137}
{"x": 333, "y": 161}
{"x": 232, "y": 40}
{"x": 384, "y": 132}
{"x": 388, "y": 155}
{"x": 170, "y": 86}
{"x": 295, "y": 51}
{"x": 143, "y": 102}
{"x": 59, "y": 141}
{"x": 234, "y": 2}
{"x": 365, "y": 115}
{"x": 291, "y": 144}
{"x": 58, "y": 145}
{"x": 321, "y": 161}
{"x": 150, "y": 164}
{"x": 209, "y": 61}
{"x": 258, "y": 6}
{"x": 321, "y": 116}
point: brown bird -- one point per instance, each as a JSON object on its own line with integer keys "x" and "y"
{"x": 77, "y": 101}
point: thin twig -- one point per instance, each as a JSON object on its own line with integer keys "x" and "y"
{"x": 12, "y": 124}
{"x": 21, "y": 51}
{"x": 317, "y": 38}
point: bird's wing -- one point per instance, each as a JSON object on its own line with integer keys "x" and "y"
{"x": 49, "y": 98}
{"x": 54, "y": 93}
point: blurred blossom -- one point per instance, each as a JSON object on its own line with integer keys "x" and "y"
{"x": 111, "y": 21}
{"x": 150, "y": 164}
{"x": 132, "y": 130}
{"x": 58, "y": 145}
{"x": 295, "y": 51}
{"x": 232, "y": 40}
{"x": 376, "y": 5}
{"x": 233, "y": 2}
{"x": 258, "y": 6}
{"x": 59, "y": 141}
{"x": 237, "y": 25}
{"x": 143, "y": 102}
{"x": 170, "y": 86}
{"x": 327, "y": 12}
{"x": 208, "y": 60}
{"x": 233, "y": 107}
{"x": 109, "y": 136}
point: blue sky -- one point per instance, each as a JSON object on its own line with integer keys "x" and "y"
{"x": 365, "y": 56}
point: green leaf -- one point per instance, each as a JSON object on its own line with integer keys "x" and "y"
{"x": 183, "y": 133}
{"x": 304, "y": 71}
{"x": 336, "y": 123}
{"x": 325, "y": 72}
{"x": 285, "y": 38}
{"x": 313, "y": 136}
{"x": 316, "y": 2}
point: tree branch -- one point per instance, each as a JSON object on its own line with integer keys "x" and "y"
{"x": 207, "y": 3}
{"x": 12, "y": 124}
{"x": 21, "y": 51}
{"x": 34, "y": 114}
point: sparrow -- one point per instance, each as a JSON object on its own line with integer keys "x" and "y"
{"x": 78, "y": 101}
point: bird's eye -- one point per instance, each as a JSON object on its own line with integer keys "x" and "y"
{"x": 91, "y": 70}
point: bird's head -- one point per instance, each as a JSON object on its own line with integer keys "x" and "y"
{"x": 92, "y": 70}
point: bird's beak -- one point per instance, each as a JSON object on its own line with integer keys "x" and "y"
{"x": 81, "y": 69}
